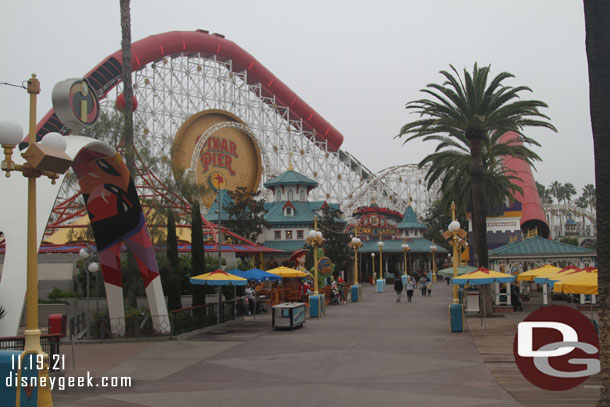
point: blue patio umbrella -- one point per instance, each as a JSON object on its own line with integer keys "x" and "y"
{"x": 256, "y": 275}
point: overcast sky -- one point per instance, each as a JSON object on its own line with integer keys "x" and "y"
{"x": 356, "y": 62}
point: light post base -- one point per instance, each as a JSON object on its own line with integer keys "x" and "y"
{"x": 356, "y": 293}
{"x": 456, "y": 317}
{"x": 380, "y": 285}
{"x": 317, "y": 305}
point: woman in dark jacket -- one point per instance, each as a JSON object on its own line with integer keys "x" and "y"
{"x": 398, "y": 288}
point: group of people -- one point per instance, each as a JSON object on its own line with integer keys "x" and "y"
{"x": 424, "y": 283}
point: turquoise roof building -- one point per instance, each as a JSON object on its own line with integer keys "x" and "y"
{"x": 290, "y": 215}
{"x": 537, "y": 251}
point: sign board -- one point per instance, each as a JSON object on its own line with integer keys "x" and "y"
{"x": 219, "y": 151}
{"x": 75, "y": 103}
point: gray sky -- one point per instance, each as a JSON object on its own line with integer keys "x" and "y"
{"x": 356, "y": 62}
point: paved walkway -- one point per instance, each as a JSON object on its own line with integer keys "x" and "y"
{"x": 377, "y": 352}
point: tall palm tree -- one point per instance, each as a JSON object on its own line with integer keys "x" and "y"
{"x": 132, "y": 275}
{"x": 556, "y": 190}
{"x": 568, "y": 191}
{"x": 544, "y": 193}
{"x": 597, "y": 15}
{"x": 450, "y": 165}
{"x": 588, "y": 191}
{"x": 470, "y": 110}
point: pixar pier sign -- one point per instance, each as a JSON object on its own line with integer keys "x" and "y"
{"x": 218, "y": 151}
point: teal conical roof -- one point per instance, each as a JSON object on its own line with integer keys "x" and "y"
{"x": 409, "y": 221}
{"x": 291, "y": 177}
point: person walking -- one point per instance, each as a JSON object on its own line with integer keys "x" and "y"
{"x": 398, "y": 288}
{"x": 429, "y": 287}
{"x": 409, "y": 288}
{"x": 422, "y": 285}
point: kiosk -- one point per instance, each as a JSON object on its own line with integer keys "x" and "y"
{"x": 288, "y": 315}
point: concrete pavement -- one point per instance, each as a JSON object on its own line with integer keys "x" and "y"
{"x": 377, "y": 352}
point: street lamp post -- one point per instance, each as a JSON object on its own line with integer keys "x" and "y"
{"x": 355, "y": 244}
{"x": 48, "y": 159}
{"x": 453, "y": 234}
{"x": 316, "y": 301}
{"x": 405, "y": 249}
{"x": 381, "y": 280}
{"x": 433, "y": 249}
{"x": 90, "y": 267}
{"x": 316, "y": 240}
{"x": 373, "y": 263}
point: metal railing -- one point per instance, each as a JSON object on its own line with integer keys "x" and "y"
{"x": 201, "y": 316}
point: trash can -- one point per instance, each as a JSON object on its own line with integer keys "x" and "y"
{"x": 317, "y": 305}
{"x": 380, "y": 285}
{"x": 58, "y": 325}
{"x": 456, "y": 317}
{"x": 356, "y": 293}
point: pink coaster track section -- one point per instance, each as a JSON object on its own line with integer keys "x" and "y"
{"x": 108, "y": 73}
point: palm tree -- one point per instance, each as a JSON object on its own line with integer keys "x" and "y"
{"x": 597, "y": 15}
{"x": 128, "y": 129}
{"x": 582, "y": 203}
{"x": 544, "y": 193}
{"x": 568, "y": 191}
{"x": 450, "y": 165}
{"x": 588, "y": 193}
{"x": 470, "y": 111}
{"x": 556, "y": 190}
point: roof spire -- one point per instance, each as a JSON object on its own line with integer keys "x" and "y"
{"x": 290, "y": 167}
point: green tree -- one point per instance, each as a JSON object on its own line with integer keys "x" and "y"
{"x": 556, "y": 190}
{"x": 570, "y": 240}
{"x": 128, "y": 132}
{"x": 597, "y": 15}
{"x": 588, "y": 192}
{"x": 198, "y": 265}
{"x": 467, "y": 112}
{"x": 173, "y": 291}
{"x": 568, "y": 191}
{"x": 544, "y": 193}
{"x": 246, "y": 214}
{"x": 337, "y": 239}
{"x": 450, "y": 165}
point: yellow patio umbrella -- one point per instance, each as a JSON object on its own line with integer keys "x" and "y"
{"x": 218, "y": 277}
{"x": 580, "y": 282}
{"x": 483, "y": 276}
{"x": 287, "y": 272}
{"x": 537, "y": 272}
{"x": 552, "y": 276}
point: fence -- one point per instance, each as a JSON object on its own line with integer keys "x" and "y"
{"x": 202, "y": 316}
{"x": 49, "y": 343}
{"x": 140, "y": 324}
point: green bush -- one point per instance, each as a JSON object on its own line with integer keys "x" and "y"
{"x": 56, "y": 294}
